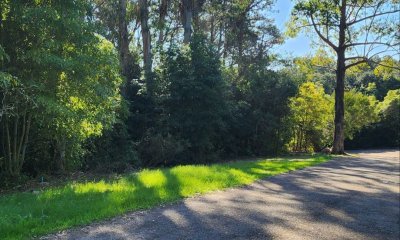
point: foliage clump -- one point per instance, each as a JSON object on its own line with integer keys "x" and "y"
{"x": 311, "y": 118}
{"x": 64, "y": 80}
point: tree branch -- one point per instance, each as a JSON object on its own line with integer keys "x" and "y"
{"x": 383, "y": 65}
{"x": 372, "y": 16}
{"x": 359, "y": 9}
{"x": 321, "y": 36}
{"x": 352, "y": 58}
{"x": 364, "y": 60}
{"x": 367, "y": 60}
{"x": 369, "y": 43}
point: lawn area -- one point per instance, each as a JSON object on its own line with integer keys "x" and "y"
{"x": 24, "y": 215}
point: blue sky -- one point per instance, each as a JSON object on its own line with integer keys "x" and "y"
{"x": 298, "y": 46}
{"x": 301, "y": 45}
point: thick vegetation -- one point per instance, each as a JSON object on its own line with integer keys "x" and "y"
{"x": 58, "y": 89}
{"x": 116, "y": 85}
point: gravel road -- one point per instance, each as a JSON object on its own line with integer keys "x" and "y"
{"x": 346, "y": 198}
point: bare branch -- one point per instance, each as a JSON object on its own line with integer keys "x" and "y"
{"x": 316, "y": 24}
{"x": 324, "y": 67}
{"x": 368, "y": 60}
{"x": 363, "y": 60}
{"x": 372, "y": 16}
{"x": 385, "y": 51}
{"x": 369, "y": 29}
{"x": 383, "y": 65}
{"x": 352, "y": 58}
{"x": 359, "y": 9}
{"x": 321, "y": 36}
{"x": 368, "y": 43}
{"x": 351, "y": 11}
{"x": 349, "y": 35}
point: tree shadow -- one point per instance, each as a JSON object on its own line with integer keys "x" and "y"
{"x": 335, "y": 200}
{"x": 345, "y": 198}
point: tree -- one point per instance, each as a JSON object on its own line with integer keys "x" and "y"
{"x": 248, "y": 33}
{"x": 310, "y": 118}
{"x": 357, "y": 31}
{"x": 196, "y": 102}
{"x": 258, "y": 106}
{"x": 376, "y": 81}
{"x": 360, "y": 111}
{"x": 146, "y": 40}
{"x": 386, "y": 131}
{"x": 16, "y": 122}
{"x": 318, "y": 68}
{"x": 389, "y": 111}
{"x": 163, "y": 12}
{"x": 116, "y": 21}
{"x": 123, "y": 42}
{"x": 66, "y": 86}
{"x": 388, "y": 68}
{"x": 187, "y": 18}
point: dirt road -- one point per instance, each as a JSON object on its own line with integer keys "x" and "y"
{"x": 346, "y": 198}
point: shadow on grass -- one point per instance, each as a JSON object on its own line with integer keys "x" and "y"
{"x": 343, "y": 199}
{"x": 25, "y": 215}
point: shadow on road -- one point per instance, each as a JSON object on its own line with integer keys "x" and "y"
{"x": 346, "y": 198}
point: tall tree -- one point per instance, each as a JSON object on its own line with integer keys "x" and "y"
{"x": 123, "y": 41}
{"x": 357, "y": 31}
{"x": 196, "y": 104}
{"x": 310, "y": 117}
{"x": 197, "y": 9}
{"x": 187, "y": 18}
{"x": 113, "y": 18}
{"x": 146, "y": 40}
{"x": 162, "y": 12}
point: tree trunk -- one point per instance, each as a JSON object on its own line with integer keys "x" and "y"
{"x": 212, "y": 29}
{"x": 163, "y": 10}
{"x": 197, "y": 8}
{"x": 240, "y": 41}
{"x": 123, "y": 44}
{"x": 8, "y": 144}
{"x": 146, "y": 39}
{"x": 15, "y": 144}
{"x": 187, "y": 17}
{"x": 61, "y": 150}
{"x": 222, "y": 45}
{"x": 338, "y": 139}
{"x": 15, "y": 141}
{"x": 25, "y": 141}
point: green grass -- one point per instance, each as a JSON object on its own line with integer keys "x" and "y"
{"x": 23, "y": 215}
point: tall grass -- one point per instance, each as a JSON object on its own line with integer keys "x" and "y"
{"x": 24, "y": 215}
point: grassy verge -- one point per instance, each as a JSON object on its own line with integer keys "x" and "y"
{"x": 23, "y": 215}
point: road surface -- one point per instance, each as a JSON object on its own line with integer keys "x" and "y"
{"x": 346, "y": 198}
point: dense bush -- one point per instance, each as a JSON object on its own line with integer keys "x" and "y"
{"x": 163, "y": 150}
{"x": 195, "y": 102}
{"x": 114, "y": 151}
{"x": 67, "y": 84}
{"x": 311, "y": 118}
{"x": 258, "y": 107}
{"x": 386, "y": 131}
